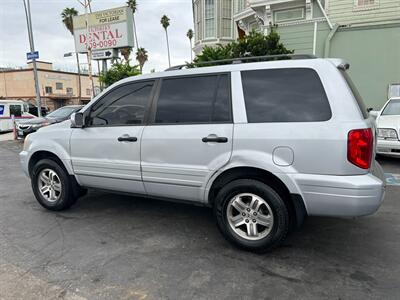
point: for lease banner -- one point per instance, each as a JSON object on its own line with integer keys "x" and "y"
{"x": 107, "y": 29}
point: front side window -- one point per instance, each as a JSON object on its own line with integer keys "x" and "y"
{"x": 201, "y": 99}
{"x": 15, "y": 110}
{"x": 392, "y": 108}
{"x": 209, "y": 18}
{"x": 125, "y": 105}
{"x": 284, "y": 95}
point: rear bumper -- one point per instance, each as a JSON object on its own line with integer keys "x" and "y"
{"x": 342, "y": 196}
{"x": 387, "y": 147}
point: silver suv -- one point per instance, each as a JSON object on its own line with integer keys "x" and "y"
{"x": 263, "y": 143}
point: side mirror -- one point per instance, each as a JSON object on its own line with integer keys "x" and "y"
{"x": 369, "y": 109}
{"x": 77, "y": 120}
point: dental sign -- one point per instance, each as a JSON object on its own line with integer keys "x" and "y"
{"x": 107, "y": 29}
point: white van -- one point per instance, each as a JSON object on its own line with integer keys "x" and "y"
{"x": 8, "y": 108}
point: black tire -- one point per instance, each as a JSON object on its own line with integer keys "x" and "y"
{"x": 279, "y": 210}
{"x": 68, "y": 195}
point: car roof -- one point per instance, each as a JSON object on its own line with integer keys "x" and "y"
{"x": 11, "y": 101}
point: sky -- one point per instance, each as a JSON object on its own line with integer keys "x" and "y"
{"x": 52, "y": 39}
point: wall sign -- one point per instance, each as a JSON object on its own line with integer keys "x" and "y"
{"x": 107, "y": 29}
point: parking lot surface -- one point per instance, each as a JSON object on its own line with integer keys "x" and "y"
{"x": 111, "y": 246}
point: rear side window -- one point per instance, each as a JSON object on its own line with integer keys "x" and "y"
{"x": 284, "y": 95}
{"x": 200, "y": 99}
{"x": 356, "y": 94}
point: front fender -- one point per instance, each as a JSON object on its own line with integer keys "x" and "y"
{"x": 59, "y": 146}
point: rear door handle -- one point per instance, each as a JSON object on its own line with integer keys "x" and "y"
{"x": 127, "y": 138}
{"x": 215, "y": 139}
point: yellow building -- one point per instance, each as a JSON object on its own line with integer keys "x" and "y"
{"x": 57, "y": 88}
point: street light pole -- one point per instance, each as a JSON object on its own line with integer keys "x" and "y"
{"x": 35, "y": 73}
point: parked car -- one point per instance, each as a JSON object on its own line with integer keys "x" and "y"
{"x": 9, "y": 108}
{"x": 388, "y": 123}
{"x": 33, "y": 110}
{"x": 28, "y": 126}
{"x": 264, "y": 144}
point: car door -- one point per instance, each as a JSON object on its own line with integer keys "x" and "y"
{"x": 189, "y": 137}
{"x": 106, "y": 152}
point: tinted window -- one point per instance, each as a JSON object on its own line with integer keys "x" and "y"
{"x": 15, "y": 110}
{"x": 202, "y": 99}
{"x": 125, "y": 105}
{"x": 284, "y": 95}
{"x": 356, "y": 94}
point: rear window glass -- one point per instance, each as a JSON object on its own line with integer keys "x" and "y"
{"x": 356, "y": 94}
{"x": 284, "y": 95}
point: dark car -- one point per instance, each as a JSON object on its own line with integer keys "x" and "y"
{"x": 33, "y": 110}
{"x": 31, "y": 125}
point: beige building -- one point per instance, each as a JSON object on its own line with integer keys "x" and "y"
{"x": 57, "y": 88}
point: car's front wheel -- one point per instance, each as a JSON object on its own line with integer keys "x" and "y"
{"x": 52, "y": 185}
{"x": 252, "y": 215}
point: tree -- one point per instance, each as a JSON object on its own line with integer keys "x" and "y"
{"x": 126, "y": 52}
{"x": 67, "y": 14}
{"x": 133, "y": 6}
{"x": 141, "y": 57}
{"x": 254, "y": 44}
{"x": 165, "y": 23}
{"x": 117, "y": 72}
{"x": 189, "y": 34}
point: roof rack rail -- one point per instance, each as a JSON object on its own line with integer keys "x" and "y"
{"x": 240, "y": 60}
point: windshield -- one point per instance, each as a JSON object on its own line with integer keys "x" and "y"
{"x": 392, "y": 108}
{"x": 63, "y": 112}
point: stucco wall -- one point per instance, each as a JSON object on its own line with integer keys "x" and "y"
{"x": 374, "y": 57}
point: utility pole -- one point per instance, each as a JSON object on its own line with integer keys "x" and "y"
{"x": 86, "y": 5}
{"x": 27, "y": 8}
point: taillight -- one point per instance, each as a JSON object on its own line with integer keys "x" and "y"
{"x": 360, "y": 145}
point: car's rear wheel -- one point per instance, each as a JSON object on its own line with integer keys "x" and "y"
{"x": 52, "y": 185}
{"x": 251, "y": 215}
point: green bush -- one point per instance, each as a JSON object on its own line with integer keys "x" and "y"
{"x": 117, "y": 72}
{"x": 254, "y": 44}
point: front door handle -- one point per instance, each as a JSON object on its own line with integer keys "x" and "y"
{"x": 214, "y": 139}
{"x": 127, "y": 138}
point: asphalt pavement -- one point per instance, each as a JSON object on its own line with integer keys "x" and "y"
{"x": 118, "y": 247}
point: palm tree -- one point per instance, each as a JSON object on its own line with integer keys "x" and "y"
{"x": 165, "y": 24}
{"x": 66, "y": 16}
{"x": 133, "y": 6}
{"x": 141, "y": 57}
{"x": 189, "y": 34}
{"x": 126, "y": 52}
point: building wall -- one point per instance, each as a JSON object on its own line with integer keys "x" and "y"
{"x": 300, "y": 37}
{"x": 345, "y": 12}
{"x": 374, "y": 56}
{"x": 19, "y": 84}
